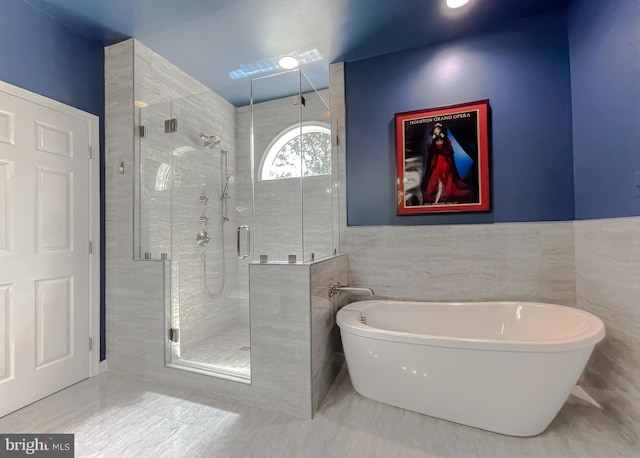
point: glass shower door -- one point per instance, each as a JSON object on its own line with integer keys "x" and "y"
{"x": 208, "y": 313}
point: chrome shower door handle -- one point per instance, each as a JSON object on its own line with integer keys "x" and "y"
{"x": 244, "y": 254}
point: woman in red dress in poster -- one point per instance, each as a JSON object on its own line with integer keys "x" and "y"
{"x": 443, "y": 182}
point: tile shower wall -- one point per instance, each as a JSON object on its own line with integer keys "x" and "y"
{"x": 607, "y": 272}
{"x": 293, "y": 329}
{"x": 280, "y": 324}
{"x": 326, "y": 357}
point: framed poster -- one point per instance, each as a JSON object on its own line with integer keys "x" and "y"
{"x": 443, "y": 159}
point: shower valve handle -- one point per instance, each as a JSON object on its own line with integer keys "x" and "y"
{"x": 202, "y": 238}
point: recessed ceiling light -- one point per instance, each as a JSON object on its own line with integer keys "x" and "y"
{"x": 140, "y": 104}
{"x": 456, "y": 3}
{"x": 288, "y": 62}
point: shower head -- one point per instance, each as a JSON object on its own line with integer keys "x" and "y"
{"x": 210, "y": 141}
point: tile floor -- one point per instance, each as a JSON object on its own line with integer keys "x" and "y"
{"x": 228, "y": 349}
{"x": 117, "y": 416}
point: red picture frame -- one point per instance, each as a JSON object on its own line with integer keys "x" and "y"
{"x": 443, "y": 159}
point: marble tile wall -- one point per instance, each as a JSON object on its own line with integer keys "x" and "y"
{"x": 125, "y": 295}
{"x": 293, "y": 329}
{"x": 519, "y": 261}
{"x": 326, "y": 356}
{"x": 280, "y": 335}
{"x": 607, "y": 273}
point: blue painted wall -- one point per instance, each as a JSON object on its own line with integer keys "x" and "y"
{"x": 605, "y": 79}
{"x": 523, "y": 71}
{"x": 42, "y": 56}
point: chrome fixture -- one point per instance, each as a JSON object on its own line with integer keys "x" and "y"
{"x": 228, "y": 179}
{"x": 210, "y": 141}
{"x": 202, "y": 238}
{"x": 337, "y": 288}
{"x": 244, "y": 254}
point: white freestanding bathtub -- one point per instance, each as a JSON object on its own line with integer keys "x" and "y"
{"x": 506, "y": 367}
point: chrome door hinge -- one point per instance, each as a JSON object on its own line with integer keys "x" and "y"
{"x": 90, "y": 153}
{"x": 90, "y": 343}
{"x": 170, "y": 126}
{"x": 142, "y": 131}
{"x": 90, "y": 247}
{"x": 174, "y": 335}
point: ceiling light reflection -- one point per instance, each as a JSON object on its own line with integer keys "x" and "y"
{"x": 271, "y": 64}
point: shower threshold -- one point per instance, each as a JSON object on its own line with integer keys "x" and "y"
{"x": 211, "y": 370}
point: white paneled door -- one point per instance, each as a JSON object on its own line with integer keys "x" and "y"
{"x": 47, "y": 275}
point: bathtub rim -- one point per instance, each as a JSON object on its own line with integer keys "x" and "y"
{"x": 348, "y": 319}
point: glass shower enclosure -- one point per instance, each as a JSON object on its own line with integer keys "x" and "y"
{"x": 205, "y": 203}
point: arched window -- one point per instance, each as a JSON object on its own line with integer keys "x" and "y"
{"x": 311, "y": 142}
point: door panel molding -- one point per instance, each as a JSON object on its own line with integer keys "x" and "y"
{"x": 54, "y": 139}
